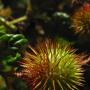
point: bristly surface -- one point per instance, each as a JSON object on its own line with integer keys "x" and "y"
{"x": 81, "y": 21}
{"x": 50, "y": 67}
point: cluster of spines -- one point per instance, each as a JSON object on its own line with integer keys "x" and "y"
{"x": 51, "y": 67}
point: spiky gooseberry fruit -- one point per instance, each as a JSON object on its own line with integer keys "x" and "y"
{"x": 81, "y": 22}
{"x": 50, "y": 67}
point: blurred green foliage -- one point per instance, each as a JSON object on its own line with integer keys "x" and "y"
{"x": 11, "y": 46}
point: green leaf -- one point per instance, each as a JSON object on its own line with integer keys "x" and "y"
{"x": 5, "y": 37}
{"x": 16, "y": 37}
{"x": 14, "y": 48}
{"x": 11, "y": 59}
{"x": 61, "y": 15}
{"x": 21, "y": 42}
